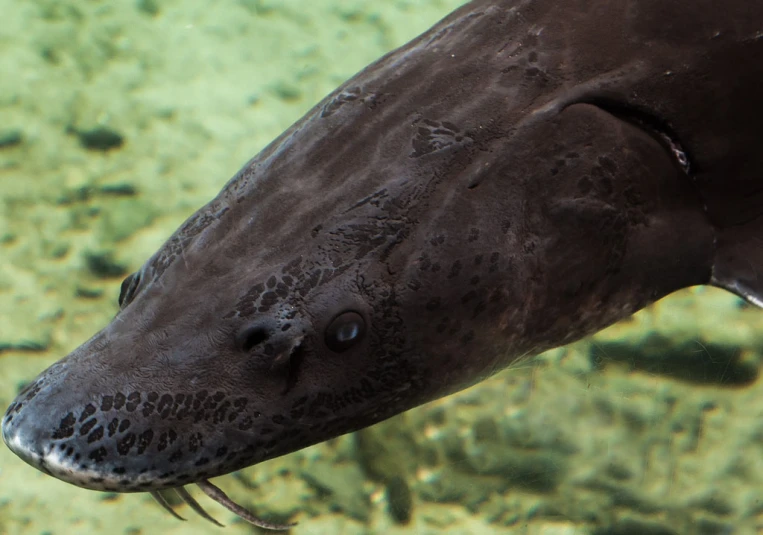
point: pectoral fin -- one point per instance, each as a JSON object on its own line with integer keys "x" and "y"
{"x": 739, "y": 261}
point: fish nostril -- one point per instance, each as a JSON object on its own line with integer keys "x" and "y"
{"x": 250, "y": 337}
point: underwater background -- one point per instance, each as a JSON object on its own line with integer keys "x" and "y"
{"x": 120, "y": 119}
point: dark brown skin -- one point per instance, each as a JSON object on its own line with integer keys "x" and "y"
{"x": 522, "y": 175}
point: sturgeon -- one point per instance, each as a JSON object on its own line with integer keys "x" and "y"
{"x": 523, "y": 174}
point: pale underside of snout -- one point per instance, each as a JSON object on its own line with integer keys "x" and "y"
{"x": 62, "y": 463}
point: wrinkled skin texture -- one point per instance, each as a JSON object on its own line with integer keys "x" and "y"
{"x": 510, "y": 181}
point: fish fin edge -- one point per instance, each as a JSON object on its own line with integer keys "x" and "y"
{"x": 738, "y": 265}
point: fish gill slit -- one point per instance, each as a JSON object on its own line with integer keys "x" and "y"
{"x": 651, "y": 124}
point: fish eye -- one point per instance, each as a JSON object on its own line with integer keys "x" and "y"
{"x": 345, "y": 330}
{"x": 127, "y": 290}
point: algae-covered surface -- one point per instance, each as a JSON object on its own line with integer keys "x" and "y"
{"x": 119, "y": 119}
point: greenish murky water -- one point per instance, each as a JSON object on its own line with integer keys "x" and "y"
{"x": 119, "y": 119}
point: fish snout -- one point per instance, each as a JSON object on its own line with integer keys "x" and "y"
{"x": 74, "y": 448}
{"x": 33, "y": 423}
{"x": 21, "y": 435}
{"x": 88, "y": 425}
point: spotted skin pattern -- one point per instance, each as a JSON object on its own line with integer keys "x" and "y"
{"x": 516, "y": 178}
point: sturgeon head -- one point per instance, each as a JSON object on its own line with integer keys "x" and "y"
{"x": 492, "y": 189}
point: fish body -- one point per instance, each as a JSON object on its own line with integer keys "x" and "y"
{"x": 520, "y": 176}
